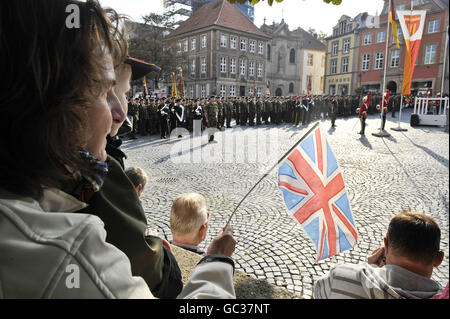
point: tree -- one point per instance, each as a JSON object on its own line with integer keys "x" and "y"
{"x": 147, "y": 43}
{"x": 270, "y": 2}
{"x": 318, "y": 35}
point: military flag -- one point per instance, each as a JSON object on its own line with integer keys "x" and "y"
{"x": 314, "y": 193}
{"x": 393, "y": 22}
{"x": 181, "y": 85}
{"x": 145, "y": 89}
{"x": 412, "y": 23}
{"x": 174, "y": 86}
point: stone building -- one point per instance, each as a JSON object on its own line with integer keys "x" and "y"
{"x": 227, "y": 52}
{"x": 428, "y": 71}
{"x": 341, "y": 69}
{"x": 295, "y": 61}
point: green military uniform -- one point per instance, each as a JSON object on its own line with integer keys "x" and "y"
{"x": 119, "y": 207}
{"x": 259, "y": 109}
{"x": 212, "y": 111}
{"x": 228, "y": 112}
{"x": 251, "y": 112}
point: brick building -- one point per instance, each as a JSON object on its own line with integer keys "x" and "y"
{"x": 429, "y": 66}
{"x": 226, "y": 52}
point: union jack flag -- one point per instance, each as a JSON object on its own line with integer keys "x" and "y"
{"x": 314, "y": 192}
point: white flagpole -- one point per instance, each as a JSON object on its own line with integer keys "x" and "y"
{"x": 445, "y": 60}
{"x": 381, "y": 133}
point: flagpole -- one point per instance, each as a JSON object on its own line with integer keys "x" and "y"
{"x": 445, "y": 60}
{"x": 268, "y": 172}
{"x": 382, "y": 133}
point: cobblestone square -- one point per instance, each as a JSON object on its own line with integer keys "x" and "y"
{"x": 382, "y": 175}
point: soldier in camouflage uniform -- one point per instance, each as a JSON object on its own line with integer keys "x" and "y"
{"x": 259, "y": 108}
{"x": 211, "y": 114}
{"x": 133, "y": 112}
{"x": 267, "y": 110}
{"x": 251, "y": 111}
{"x": 244, "y": 111}
{"x": 236, "y": 109}
{"x": 228, "y": 107}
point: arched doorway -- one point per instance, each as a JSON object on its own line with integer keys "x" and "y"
{"x": 392, "y": 87}
{"x": 279, "y": 92}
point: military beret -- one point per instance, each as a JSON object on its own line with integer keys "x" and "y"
{"x": 140, "y": 68}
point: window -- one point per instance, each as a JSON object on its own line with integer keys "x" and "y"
{"x": 365, "y": 62}
{"x": 342, "y": 27}
{"x": 233, "y": 42}
{"x": 223, "y": 41}
{"x": 433, "y": 26}
{"x": 381, "y": 36}
{"x": 193, "y": 67}
{"x": 367, "y": 39}
{"x": 259, "y": 92}
{"x": 260, "y": 70}
{"x": 191, "y": 91}
{"x": 349, "y": 28}
{"x": 333, "y": 66}
{"x": 250, "y": 91}
{"x": 291, "y": 87}
{"x": 186, "y": 44}
{"x": 379, "y": 57}
{"x": 335, "y": 32}
{"x": 179, "y": 46}
{"x": 268, "y": 52}
{"x": 430, "y": 54}
{"x": 233, "y": 66}
{"x": 332, "y": 89}
{"x": 203, "y": 65}
{"x": 251, "y": 69}
{"x": 223, "y": 90}
{"x": 223, "y": 65}
{"x": 292, "y": 56}
{"x": 395, "y": 58}
{"x": 232, "y": 90}
{"x": 400, "y": 7}
{"x": 310, "y": 60}
{"x": 203, "y": 42}
{"x": 252, "y": 46}
{"x": 193, "y": 42}
{"x": 203, "y": 91}
{"x": 346, "y": 46}
{"x": 243, "y": 45}
{"x": 335, "y": 48}
{"x": 260, "y": 48}
{"x": 344, "y": 65}
{"x": 243, "y": 66}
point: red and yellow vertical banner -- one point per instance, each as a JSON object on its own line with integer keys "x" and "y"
{"x": 412, "y": 24}
{"x": 392, "y": 22}
{"x": 181, "y": 85}
{"x": 174, "y": 86}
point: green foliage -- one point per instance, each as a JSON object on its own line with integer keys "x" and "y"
{"x": 270, "y": 2}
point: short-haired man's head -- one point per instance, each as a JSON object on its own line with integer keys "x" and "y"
{"x": 189, "y": 212}
{"x": 137, "y": 176}
{"x": 415, "y": 236}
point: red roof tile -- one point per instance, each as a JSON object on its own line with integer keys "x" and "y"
{"x": 218, "y": 13}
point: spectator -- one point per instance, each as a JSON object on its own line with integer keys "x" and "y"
{"x": 189, "y": 217}
{"x": 400, "y": 269}
{"x": 138, "y": 177}
{"x": 61, "y": 111}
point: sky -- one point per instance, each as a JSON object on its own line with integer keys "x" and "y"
{"x": 306, "y": 14}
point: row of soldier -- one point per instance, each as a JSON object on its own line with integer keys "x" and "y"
{"x": 162, "y": 115}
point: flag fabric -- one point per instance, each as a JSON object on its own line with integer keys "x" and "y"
{"x": 174, "y": 86}
{"x": 412, "y": 24}
{"x": 145, "y": 89}
{"x": 393, "y": 22}
{"x": 181, "y": 85}
{"x": 314, "y": 193}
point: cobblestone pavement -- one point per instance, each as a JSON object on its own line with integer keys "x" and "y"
{"x": 383, "y": 176}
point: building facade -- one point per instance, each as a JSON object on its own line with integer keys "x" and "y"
{"x": 428, "y": 71}
{"x": 181, "y": 10}
{"x": 342, "y": 53}
{"x": 295, "y": 61}
{"x": 226, "y": 52}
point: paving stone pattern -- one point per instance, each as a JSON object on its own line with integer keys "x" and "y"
{"x": 383, "y": 176}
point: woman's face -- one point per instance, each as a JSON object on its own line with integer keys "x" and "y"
{"x": 123, "y": 77}
{"x": 103, "y": 110}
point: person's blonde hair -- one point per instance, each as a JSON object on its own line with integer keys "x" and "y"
{"x": 188, "y": 213}
{"x": 137, "y": 176}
